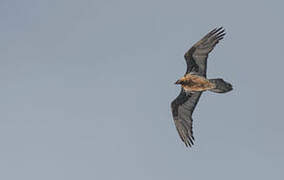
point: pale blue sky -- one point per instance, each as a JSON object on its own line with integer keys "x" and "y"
{"x": 86, "y": 88}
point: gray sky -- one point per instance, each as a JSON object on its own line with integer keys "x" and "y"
{"x": 86, "y": 88}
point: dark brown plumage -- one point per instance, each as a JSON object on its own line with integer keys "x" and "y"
{"x": 194, "y": 82}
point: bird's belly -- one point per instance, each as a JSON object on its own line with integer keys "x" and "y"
{"x": 195, "y": 88}
{"x": 192, "y": 82}
{"x": 201, "y": 86}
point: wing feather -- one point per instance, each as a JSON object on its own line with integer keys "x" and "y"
{"x": 182, "y": 109}
{"x": 184, "y": 105}
{"x": 196, "y": 56}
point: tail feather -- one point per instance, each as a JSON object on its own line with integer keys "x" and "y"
{"x": 221, "y": 86}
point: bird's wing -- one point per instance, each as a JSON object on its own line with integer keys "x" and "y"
{"x": 182, "y": 108}
{"x": 196, "y": 56}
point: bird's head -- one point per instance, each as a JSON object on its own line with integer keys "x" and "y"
{"x": 180, "y": 81}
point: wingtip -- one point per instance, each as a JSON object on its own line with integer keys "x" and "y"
{"x": 217, "y": 32}
{"x": 220, "y": 30}
{"x": 189, "y": 141}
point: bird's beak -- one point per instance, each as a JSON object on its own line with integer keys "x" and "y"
{"x": 178, "y": 82}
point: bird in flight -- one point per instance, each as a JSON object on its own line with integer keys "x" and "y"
{"x": 194, "y": 82}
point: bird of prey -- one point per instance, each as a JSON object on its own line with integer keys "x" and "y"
{"x": 194, "y": 82}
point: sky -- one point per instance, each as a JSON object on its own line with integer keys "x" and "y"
{"x": 86, "y": 88}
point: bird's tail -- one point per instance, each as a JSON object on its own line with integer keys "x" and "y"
{"x": 221, "y": 86}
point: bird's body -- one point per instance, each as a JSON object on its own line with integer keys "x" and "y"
{"x": 194, "y": 82}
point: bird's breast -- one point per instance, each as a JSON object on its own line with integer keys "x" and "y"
{"x": 196, "y": 83}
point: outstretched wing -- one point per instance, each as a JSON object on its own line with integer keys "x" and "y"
{"x": 182, "y": 108}
{"x": 196, "y": 56}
